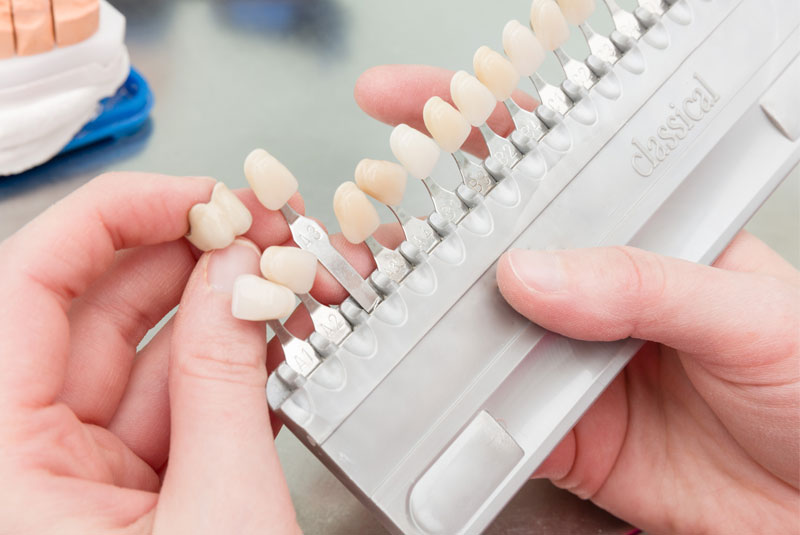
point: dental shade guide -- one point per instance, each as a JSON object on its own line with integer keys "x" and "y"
{"x": 442, "y": 401}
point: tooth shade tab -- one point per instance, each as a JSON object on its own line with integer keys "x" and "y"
{"x": 472, "y": 98}
{"x": 290, "y": 267}
{"x": 269, "y": 179}
{"x": 549, "y": 24}
{"x": 357, "y": 217}
{"x": 382, "y": 180}
{"x": 446, "y": 124}
{"x": 417, "y": 152}
{"x": 495, "y": 72}
{"x": 256, "y": 299}
{"x": 215, "y": 224}
{"x": 523, "y": 48}
{"x": 576, "y": 11}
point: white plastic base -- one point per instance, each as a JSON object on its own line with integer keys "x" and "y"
{"x": 47, "y": 98}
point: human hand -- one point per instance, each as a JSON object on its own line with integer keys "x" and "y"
{"x": 700, "y": 432}
{"x": 87, "y": 431}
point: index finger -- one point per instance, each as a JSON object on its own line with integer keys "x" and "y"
{"x": 55, "y": 257}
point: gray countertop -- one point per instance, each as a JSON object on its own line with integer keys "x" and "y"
{"x": 230, "y": 76}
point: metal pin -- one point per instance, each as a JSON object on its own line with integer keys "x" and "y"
{"x": 298, "y": 354}
{"x": 309, "y": 235}
{"x": 327, "y": 321}
{"x": 624, "y": 20}
{"x": 389, "y": 261}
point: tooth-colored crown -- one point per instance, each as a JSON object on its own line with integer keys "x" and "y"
{"x": 290, "y": 267}
{"x": 417, "y": 152}
{"x": 495, "y": 72}
{"x": 472, "y": 98}
{"x": 256, "y": 299}
{"x": 270, "y": 180}
{"x": 522, "y": 47}
{"x": 576, "y": 11}
{"x": 382, "y": 180}
{"x": 446, "y": 124}
{"x": 215, "y": 224}
{"x": 357, "y": 217}
{"x": 549, "y": 24}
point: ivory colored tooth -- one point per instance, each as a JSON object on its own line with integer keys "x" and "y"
{"x": 576, "y": 11}
{"x": 215, "y": 224}
{"x": 33, "y": 26}
{"x": 75, "y": 20}
{"x": 549, "y": 24}
{"x": 523, "y": 48}
{"x": 357, "y": 217}
{"x": 290, "y": 267}
{"x": 256, "y": 299}
{"x": 446, "y": 124}
{"x": 495, "y": 72}
{"x": 382, "y": 180}
{"x": 209, "y": 228}
{"x": 239, "y": 216}
{"x": 269, "y": 179}
{"x": 6, "y": 30}
{"x": 472, "y": 98}
{"x": 417, "y": 152}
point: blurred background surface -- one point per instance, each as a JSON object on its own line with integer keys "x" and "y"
{"x": 229, "y": 76}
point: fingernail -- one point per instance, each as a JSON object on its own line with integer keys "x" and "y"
{"x": 225, "y": 265}
{"x": 539, "y": 271}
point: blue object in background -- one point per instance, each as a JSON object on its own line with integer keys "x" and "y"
{"x": 121, "y": 115}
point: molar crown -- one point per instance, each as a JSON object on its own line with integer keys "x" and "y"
{"x": 523, "y": 48}
{"x": 549, "y": 23}
{"x": 256, "y": 299}
{"x": 472, "y": 98}
{"x": 417, "y": 152}
{"x": 495, "y": 72}
{"x": 357, "y": 217}
{"x": 215, "y": 224}
{"x": 382, "y": 180}
{"x": 446, "y": 124}
{"x": 270, "y": 180}
{"x": 290, "y": 267}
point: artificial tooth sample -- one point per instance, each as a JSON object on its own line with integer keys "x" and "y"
{"x": 33, "y": 26}
{"x": 472, "y": 98}
{"x": 256, "y": 299}
{"x": 417, "y": 152}
{"x": 523, "y": 48}
{"x": 6, "y": 30}
{"x": 215, "y": 224}
{"x": 269, "y": 179}
{"x": 357, "y": 217}
{"x": 576, "y": 11}
{"x": 75, "y": 20}
{"x": 549, "y": 24}
{"x": 382, "y": 180}
{"x": 495, "y": 72}
{"x": 446, "y": 124}
{"x": 290, "y": 267}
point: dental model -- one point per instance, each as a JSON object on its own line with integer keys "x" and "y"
{"x": 75, "y": 20}
{"x": 385, "y": 182}
{"x": 215, "y": 224}
{"x": 6, "y": 30}
{"x": 296, "y": 269}
{"x": 419, "y": 154}
{"x": 501, "y": 77}
{"x": 358, "y": 220}
{"x": 450, "y": 130}
{"x": 33, "y": 26}
{"x": 274, "y": 185}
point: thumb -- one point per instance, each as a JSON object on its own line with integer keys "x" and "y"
{"x": 723, "y": 317}
{"x": 223, "y": 474}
